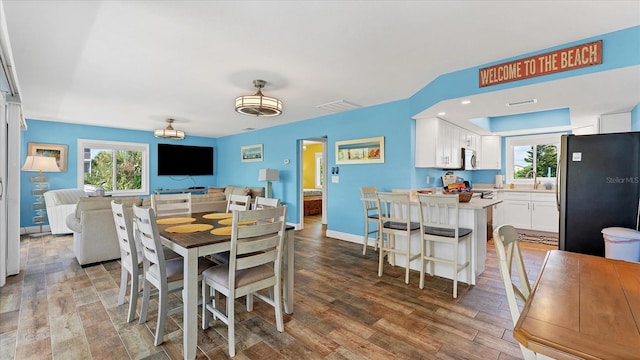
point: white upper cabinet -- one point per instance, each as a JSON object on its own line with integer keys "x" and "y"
{"x": 490, "y": 153}
{"x": 439, "y": 144}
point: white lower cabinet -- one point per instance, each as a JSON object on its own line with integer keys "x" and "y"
{"x": 530, "y": 210}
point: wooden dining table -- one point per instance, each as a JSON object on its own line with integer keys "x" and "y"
{"x": 193, "y": 245}
{"x": 583, "y": 307}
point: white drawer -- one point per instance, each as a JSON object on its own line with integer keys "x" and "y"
{"x": 543, "y": 197}
{"x": 512, "y": 195}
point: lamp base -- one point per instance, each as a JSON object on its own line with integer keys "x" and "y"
{"x": 269, "y": 190}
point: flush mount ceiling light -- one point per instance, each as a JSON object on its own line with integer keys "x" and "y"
{"x": 258, "y": 104}
{"x": 169, "y": 132}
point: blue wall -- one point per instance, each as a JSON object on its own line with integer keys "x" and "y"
{"x": 392, "y": 120}
{"x": 68, "y": 134}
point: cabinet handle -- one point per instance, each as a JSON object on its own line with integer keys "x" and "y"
{"x": 1, "y": 189}
{"x": 528, "y": 206}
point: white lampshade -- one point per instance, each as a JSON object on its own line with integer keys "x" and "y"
{"x": 41, "y": 164}
{"x": 268, "y": 175}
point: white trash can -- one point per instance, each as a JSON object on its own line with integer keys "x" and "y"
{"x": 621, "y": 243}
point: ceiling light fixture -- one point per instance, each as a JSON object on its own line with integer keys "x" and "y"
{"x": 169, "y": 132}
{"x": 442, "y": 113}
{"x": 465, "y": 102}
{"x": 258, "y": 104}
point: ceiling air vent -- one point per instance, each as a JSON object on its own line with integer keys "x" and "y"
{"x": 522, "y": 102}
{"x": 338, "y": 106}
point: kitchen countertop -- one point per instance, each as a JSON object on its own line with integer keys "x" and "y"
{"x": 517, "y": 188}
{"x": 477, "y": 203}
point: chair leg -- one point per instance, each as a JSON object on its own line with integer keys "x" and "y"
{"x": 392, "y": 245}
{"x": 469, "y": 261}
{"x": 206, "y": 297}
{"x": 249, "y": 302}
{"x": 162, "y": 316}
{"x": 124, "y": 277}
{"x": 366, "y": 237}
{"x": 277, "y": 304}
{"x": 380, "y": 259}
{"x": 145, "y": 302}
{"x": 455, "y": 270}
{"x": 422, "y": 262}
{"x": 231, "y": 321}
{"x": 133, "y": 297}
{"x": 408, "y": 255}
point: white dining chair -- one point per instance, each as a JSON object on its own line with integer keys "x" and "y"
{"x": 263, "y": 203}
{"x": 130, "y": 257}
{"x": 370, "y": 207}
{"x": 394, "y": 218}
{"x": 238, "y": 202}
{"x": 255, "y": 263}
{"x": 171, "y": 204}
{"x": 166, "y": 275}
{"x": 507, "y": 245}
{"x": 439, "y": 223}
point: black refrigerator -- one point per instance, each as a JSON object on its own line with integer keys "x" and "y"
{"x": 599, "y": 187}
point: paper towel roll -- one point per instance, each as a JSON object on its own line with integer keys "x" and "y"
{"x": 499, "y": 181}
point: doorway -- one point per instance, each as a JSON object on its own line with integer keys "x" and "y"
{"x": 313, "y": 179}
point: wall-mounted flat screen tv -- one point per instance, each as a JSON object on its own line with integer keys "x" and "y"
{"x": 185, "y": 160}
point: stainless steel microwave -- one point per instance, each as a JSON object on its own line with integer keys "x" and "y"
{"x": 468, "y": 159}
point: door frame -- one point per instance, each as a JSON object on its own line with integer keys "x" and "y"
{"x": 325, "y": 189}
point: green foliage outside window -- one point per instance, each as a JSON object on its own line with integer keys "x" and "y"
{"x": 545, "y": 163}
{"x": 128, "y": 174}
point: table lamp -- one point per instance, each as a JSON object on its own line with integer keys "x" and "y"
{"x": 40, "y": 164}
{"x": 268, "y": 175}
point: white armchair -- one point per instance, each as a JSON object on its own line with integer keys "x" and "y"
{"x": 60, "y": 203}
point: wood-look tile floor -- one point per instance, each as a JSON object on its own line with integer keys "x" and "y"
{"x": 55, "y": 309}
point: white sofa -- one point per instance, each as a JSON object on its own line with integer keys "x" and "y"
{"x": 60, "y": 203}
{"x": 94, "y": 232}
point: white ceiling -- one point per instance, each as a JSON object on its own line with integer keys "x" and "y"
{"x": 132, "y": 64}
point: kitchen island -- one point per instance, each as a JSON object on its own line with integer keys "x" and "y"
{"x": 472, "y": 215}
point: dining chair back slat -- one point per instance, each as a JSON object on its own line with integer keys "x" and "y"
{"x": 171, "y": 204}
{"x": 263, "y": 202}
{"x": 238, "y": 202}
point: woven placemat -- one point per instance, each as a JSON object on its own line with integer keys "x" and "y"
{"x": 230, "y": 221}
{"x": 218, "y": 216}
{"x": 222, "y": 231}
{"x": 176, "y": 220}
{"x": 189, "y": 228}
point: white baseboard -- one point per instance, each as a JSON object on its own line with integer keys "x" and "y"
{"x": 35, "y": 229}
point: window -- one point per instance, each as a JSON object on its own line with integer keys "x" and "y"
{"x": 121, "y": 168}
{"x": 532, "y": 156}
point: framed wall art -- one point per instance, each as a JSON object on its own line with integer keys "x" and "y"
{"x": 360, "y": 151}
{"x": 251, "y": 153}
{"x": 54, "y": 150}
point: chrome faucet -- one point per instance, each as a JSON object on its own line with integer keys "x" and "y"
{"x": 535, "y": 178}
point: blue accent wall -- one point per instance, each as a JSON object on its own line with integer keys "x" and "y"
{"x": 68, "y": 134}
{"x": 392, "y": 120}
{"x": 534, "y": 120}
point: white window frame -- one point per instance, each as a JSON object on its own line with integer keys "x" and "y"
{"x": 115, "y": 145}
{"x": 533, "y": 140}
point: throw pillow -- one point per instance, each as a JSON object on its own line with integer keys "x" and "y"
{"x": 212, "y": 190}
